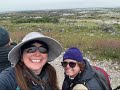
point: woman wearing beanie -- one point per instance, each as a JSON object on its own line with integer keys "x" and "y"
{"x": 79, "y": 74}
{"x": 5, "y": 46}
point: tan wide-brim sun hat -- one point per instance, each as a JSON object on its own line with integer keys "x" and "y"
{"x": 54, "y": 46}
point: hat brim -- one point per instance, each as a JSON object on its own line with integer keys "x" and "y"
{"x": 54, "y": 46}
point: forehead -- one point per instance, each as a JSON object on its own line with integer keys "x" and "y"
{"x": 37, "y": 44}
{"x": 69, "y": 60}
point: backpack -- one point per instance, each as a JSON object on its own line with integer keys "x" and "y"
{"x": 100, "y": 71}
{"x": 103, "y": 78}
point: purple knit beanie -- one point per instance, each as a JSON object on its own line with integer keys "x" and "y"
{"x": 74, "y": 54}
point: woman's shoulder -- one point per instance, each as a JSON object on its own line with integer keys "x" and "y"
{"x": 7, "y": 79}
{"x": 8, "y": 71}
{"x": 7, "y": 74}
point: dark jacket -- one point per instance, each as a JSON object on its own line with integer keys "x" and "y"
{"x": 4, "y": 63}
{"x": 8, "y": 81}
{"x": 87, "y": 78}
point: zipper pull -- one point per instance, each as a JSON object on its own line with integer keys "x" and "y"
{"x": 71, "y": 84}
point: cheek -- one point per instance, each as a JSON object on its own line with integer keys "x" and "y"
{"x": 77, "y": 69}
{"x": 45, "y": 55}
{"x": 25, "y": 57}
{"x": 43, "y": 62}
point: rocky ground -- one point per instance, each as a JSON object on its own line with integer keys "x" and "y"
{"x": 112, "y": 68}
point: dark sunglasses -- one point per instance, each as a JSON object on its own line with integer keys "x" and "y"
{"x": 71, "y": 64}
{"x": 33, "y": 49}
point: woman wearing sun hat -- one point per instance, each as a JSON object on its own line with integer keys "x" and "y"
{"x": 79, "y": 74}
{"x": 31, "y": 70}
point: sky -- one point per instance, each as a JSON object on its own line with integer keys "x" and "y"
{"x": 20, "y": 5}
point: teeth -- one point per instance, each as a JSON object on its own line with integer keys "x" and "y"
{"x": 35, "y": 60}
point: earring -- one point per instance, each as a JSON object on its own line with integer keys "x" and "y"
{"x": 80, "y": 72}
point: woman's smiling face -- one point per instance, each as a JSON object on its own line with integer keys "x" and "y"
{"x": 72, "y": 72}
{"x": 35, "y": 57}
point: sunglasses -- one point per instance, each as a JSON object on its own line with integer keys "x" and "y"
{"x": 71, "y": 64}
{"x": 33, "y": 49}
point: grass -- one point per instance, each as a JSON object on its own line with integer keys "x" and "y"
{"x": 86, "y": 35}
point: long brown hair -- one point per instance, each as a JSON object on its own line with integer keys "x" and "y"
{"x": 21, "y": 80}
{"x": 22, "y": 77}
{"x": 52, "y": 77}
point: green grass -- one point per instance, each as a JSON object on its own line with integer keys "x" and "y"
{"x": 86, "y": 35}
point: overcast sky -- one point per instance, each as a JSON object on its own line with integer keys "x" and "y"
{"x": 18, "y": 5}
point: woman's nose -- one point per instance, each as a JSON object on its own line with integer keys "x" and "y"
{"x": 67, "y": 66}
{"x": 37, "y": 53}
